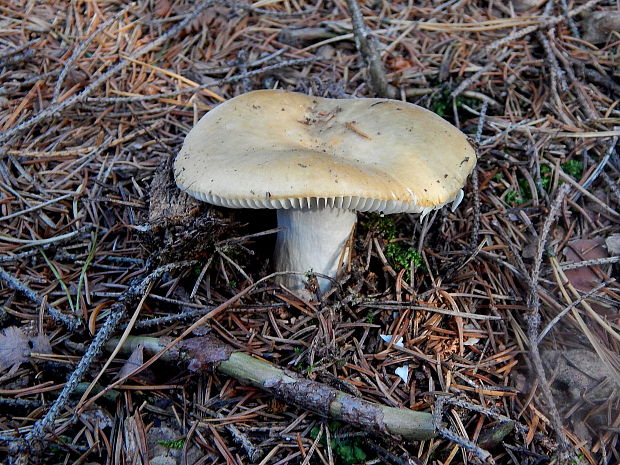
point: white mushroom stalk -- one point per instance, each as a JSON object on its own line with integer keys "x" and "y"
{"x": 312, "y": 240}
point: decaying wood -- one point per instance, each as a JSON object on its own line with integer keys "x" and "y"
{"x": 167, "y": 204}
{"x": 179, "y": 227}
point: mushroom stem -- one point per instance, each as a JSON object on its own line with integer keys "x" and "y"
{"x": 312, "y": 240}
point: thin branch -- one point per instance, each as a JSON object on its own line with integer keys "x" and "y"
{"x": 230, "y": 80}
{"x": 571, "y": 22}
{"x": 475, "y": 230}
{"x": 593, "y": 262}
{"x": 208, "y": 352}
{"x": 474, "y": 78}
{"x": 167, "y": 320}
{"x": 442, "y": 431}
{"x": 70, "y": 321}
{"x": 475, "y": 185}
{"x": 528, "y": 30}
{"x": 574, "y": 304}
{"x": 367, "y": 46}
{"x": 599, "y": 168}
{"x": 533, "y": 320}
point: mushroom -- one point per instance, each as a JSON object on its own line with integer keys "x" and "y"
{"x": 318, "y": 161}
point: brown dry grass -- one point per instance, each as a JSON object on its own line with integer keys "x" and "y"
{"x": 94, "y": 97}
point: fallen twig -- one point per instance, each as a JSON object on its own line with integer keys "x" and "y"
{"x": 574, "y": 304}
{"x": 593, "y": 262}
{"x": 70, "y": 321}
{"x": 599, "y": 170}
{"x": 533, "y": 320}
{"x": 474, "y": 182}
{"x": 81, "y": 48}
{"x": 483, "y": 455}
{"x": 475, "y": 77}
{"x": 230, "y": 80}
{"x": 366, "y": 44}
{"x": 207, "y": 352}
{"x": 517, "y": 34}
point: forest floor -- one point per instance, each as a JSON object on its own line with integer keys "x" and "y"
{"x": 501, "y": 318}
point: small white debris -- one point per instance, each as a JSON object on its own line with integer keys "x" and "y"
{"x": 613, "y": 244}
{"x": 388, "y": 338}
{"x": 457, "y": 200}
{"x": 141, "y": 227}
{"x": 402, "y": 372}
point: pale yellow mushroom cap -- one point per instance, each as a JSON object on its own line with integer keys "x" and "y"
{"x": 277, "y": 149}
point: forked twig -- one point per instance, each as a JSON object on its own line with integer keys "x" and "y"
{"x": 81, "y": 48}
{"x": 483, "y": 455}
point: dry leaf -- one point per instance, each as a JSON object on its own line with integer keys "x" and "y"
{"x": 135, "y": 360}
{"x": 16, "y": 347}
{"x": 584, "y": 278}
{"x": 613, "y": 244}
{"x": 399, "y": 64}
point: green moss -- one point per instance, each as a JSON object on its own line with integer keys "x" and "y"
{"x": 304, "y": 368}
{"x": 383, "y": 224}
{"x": 197, "y": 268}
{"x": 545, "y": 177}
{"x": 523, "y": 194}
{"x": 441, "y": 102}
{"x": 513, "y": 198}
{"x": 573, "y": 168}
{"x": 403, "y": 255}
{"x": 581, "y": 458}
{"x": 178, "y": 444}
{"x": 399, "y": 254}
{"x": 347, "y": 451}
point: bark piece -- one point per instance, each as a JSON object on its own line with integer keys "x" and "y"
{"x": 178, "y": 227}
